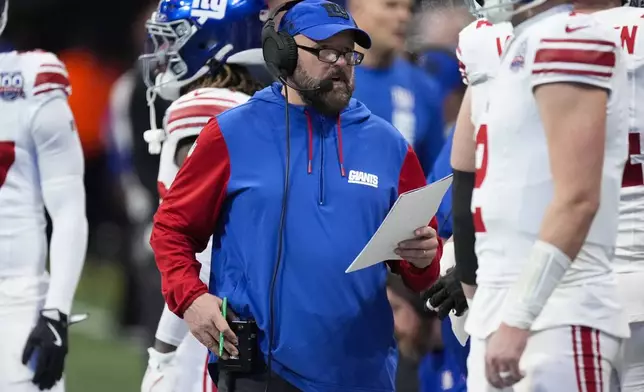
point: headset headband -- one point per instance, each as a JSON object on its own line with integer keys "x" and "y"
{"x": 284, "y": 7}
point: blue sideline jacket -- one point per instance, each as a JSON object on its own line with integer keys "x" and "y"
{"x": 333, "y": 331}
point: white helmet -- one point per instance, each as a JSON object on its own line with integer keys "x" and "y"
{"x": 503, "y": 10}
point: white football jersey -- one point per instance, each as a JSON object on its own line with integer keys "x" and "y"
{"x": 186, "y": 117}
{"x": 629, "y": 260}
{"x": 630, "y": 241}
{"x": 480, "y": 46}
{"x": 514, "y": 185}
{"x": 28, "y": 81}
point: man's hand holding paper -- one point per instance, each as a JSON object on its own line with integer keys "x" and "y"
{"x": 420, "y": 250}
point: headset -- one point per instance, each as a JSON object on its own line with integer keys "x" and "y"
{"x": 279, "y": 47}
{"x": 280, "y": 54}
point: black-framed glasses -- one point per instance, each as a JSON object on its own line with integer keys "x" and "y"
{"x": 329, "y": 55}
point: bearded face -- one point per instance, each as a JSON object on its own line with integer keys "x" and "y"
{"x": 329, "y": 103}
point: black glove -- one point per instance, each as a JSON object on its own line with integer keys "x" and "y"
{"x": 46, "y": 348}
{"x": 446, "y": 294}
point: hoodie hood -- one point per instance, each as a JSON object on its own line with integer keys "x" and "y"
{"x": 355, "y": 113}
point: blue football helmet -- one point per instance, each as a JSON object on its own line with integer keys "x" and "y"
{"x": 187, "y": 38}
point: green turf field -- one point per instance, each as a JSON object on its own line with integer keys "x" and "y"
{"x": 99, "y": 361}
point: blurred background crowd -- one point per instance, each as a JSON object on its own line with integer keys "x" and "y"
{"x": 120, "y": 287}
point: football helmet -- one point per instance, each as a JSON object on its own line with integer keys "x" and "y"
{"x": 474, "y": 6}
{"x": 502, "y": 10}
{"x": 4, "y": 11}
{"x": 189, "y": 38}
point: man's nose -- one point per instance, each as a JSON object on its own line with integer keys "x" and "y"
{"x": 341, "y": 63}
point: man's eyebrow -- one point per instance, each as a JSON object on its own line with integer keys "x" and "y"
{"x": 327, "y": 46}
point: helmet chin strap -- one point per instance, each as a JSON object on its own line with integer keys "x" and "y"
{"x": 154, "y": 136}
{"x": 167, "y": 88}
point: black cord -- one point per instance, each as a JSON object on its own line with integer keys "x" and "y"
{"x": 280, "y": 241}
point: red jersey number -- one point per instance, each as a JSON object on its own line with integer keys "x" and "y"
{"x": 7, "y": 157}
{"x": 481, "y": 171}
{"x": 633, "y": 175}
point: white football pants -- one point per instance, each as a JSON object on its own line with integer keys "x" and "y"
{"x": 192, "y": 361}
{"x": 565, "y": 359}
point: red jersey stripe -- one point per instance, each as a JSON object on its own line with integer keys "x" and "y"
{"x": 196, "y": 111}
{"x": 51, "y": 77}
{"x": 579, "y": 56}
{"x": 202, "y": 97}
{"x": 577, "y": 41}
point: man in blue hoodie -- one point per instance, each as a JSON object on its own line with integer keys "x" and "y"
{"x": 279, "y": 255}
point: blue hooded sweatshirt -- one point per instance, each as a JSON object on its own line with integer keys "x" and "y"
{"x": 333, "y": 331}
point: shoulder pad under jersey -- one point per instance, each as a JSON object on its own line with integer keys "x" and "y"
{"x": 480, "y": 45}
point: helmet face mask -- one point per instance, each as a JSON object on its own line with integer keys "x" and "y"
{"x": 474, "y": 7}
{"x": 497, "y": 11}
{"x": 162, "y": 63}
{"x": 4, "y": 14}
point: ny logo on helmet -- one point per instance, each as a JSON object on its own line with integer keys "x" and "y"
{"x": 215, "y": 9}
{"x": 334, "y": 10}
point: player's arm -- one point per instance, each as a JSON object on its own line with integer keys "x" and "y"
{"x": 61, "y": 167}
{"x": 572, "y": 106}
{"x": 171, "y": 329}
{"x": 463, "y": 165}
{"x": 187, "y": 216}
{"x": 417, "y": 279}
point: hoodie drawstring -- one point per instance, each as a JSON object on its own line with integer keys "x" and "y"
{"x": 339, "y": 147}
{"x": 309, "y": 123}
{"x": 310, "y": 139}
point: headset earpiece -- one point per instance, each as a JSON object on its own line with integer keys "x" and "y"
{"x": 278, "y": 47}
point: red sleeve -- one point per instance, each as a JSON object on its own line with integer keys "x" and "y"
{"x": 417, "y": 279}
{"x": 187, "y": 217}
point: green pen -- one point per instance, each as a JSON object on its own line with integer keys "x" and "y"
{"x": 221, "y": 334}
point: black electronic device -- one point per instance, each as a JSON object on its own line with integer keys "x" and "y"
{"x": 248, "y": 360}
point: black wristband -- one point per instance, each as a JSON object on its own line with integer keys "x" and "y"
{"x": 464, "y": 237}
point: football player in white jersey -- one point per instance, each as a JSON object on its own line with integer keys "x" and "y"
{"x": 629, "y": 260}
{"x": 480, "y": 47}
{"x": 551, "y": 148}
{"x": 177, "y": 361}
{"x": 41, "y": 167}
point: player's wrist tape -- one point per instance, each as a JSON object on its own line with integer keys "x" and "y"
{"x": 158, "y": 359}
{"x": 448, "y": 259}
{"x": 545, "y": 269}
